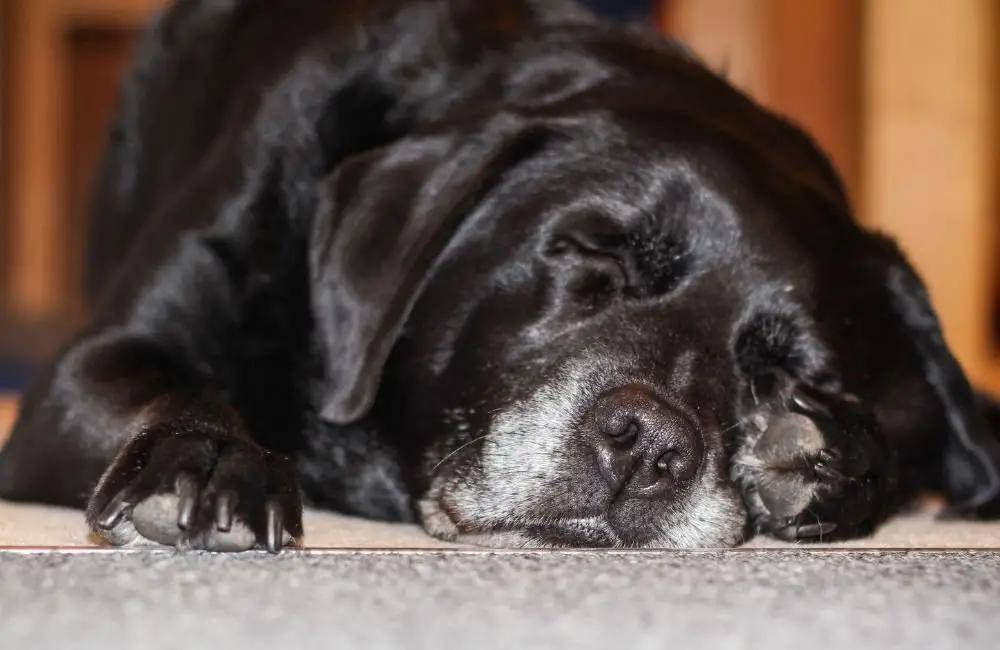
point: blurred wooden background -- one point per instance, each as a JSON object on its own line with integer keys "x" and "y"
{"x": 902, "y": 93}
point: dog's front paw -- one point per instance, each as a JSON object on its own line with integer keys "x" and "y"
{"x": 812, "y": 467}
{"x": 194, "y": 490}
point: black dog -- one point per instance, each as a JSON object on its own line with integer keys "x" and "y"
{"x": 491, "y": 266}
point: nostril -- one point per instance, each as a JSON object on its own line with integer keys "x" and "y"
{"x": 673, "y": 463}
{"x": 625, "y": 436}
{"x": 666, "y": 464}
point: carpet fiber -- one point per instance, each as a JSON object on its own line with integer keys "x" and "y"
{"x": 454, "y": 599}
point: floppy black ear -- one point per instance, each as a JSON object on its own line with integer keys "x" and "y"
{"x": 383, "y": 220}
{"x": 971, "y": 468}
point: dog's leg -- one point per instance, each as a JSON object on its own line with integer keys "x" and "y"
{"x": 145, "y": 416}
{"x": 814, "y": 466}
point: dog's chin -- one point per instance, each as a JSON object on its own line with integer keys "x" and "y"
{"x": 560, "y": 535}
{"x": 627, "y": 525}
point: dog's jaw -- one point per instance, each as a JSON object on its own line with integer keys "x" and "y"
{"x": 715, "y": 519}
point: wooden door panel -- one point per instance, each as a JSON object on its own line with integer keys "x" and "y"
{"x": 98, "y": 58}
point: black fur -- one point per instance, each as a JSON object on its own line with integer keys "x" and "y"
{"x": 493, "y": 266}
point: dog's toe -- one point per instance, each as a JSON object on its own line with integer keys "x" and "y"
{"x": 156, "y": 519}
{"x": 787, "y": 454}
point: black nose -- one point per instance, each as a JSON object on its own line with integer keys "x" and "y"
{"x": 645, "y": 448}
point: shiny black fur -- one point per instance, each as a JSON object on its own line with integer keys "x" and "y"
{"x": 330, "y": 246}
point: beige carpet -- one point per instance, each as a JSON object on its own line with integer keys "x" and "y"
{"x": 37, "y": 526}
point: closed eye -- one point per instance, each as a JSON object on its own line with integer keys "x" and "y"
{"x": 599, "y": 258}
{"x": 647, "y": 265}
{"x": 651, "y": 258}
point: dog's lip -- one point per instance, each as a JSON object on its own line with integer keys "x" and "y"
{"x": 599, "y": 521}
{"x": 557, "y": 533}
{"x": 550, "y": 534}
{"x": 595, "y": 531}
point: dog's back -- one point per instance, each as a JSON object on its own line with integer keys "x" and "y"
{"x": 200, "y": 75}
{"x": 194, "y": 86}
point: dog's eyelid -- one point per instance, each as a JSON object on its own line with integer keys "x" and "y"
{"x": 560, "y": 245}
{"x": 587, "y": 248}
{"x": 608, "y": 243}
{"x": 596, "y": 259}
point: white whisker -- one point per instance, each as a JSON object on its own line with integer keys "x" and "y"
{"x": 739, "y": 422}
{"x": 458, "y": 449}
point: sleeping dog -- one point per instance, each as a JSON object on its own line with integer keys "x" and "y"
{"x": 491, "y": 266}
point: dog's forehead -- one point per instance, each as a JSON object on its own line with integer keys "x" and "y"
{"x": 647, "y": 189}
{"x": 719, "y": 192}
{"x": 737, "y": 152}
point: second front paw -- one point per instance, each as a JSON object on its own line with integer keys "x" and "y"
{"x": 812, "y": 467}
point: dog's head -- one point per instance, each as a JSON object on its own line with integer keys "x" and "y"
{"x": 560, "y": 310}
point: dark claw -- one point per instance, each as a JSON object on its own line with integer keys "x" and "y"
{"x": 807, "y": 531}
{"x": 786, "y": 534}
{"x": 826, "y": 457}
{"x": 224, "y": 512}
{"x": 808, "y": 404}
{"x": 187, "y": 491}
{"x": 113, "y": 512}
{"x": 822, "y": 462}
{"x": 275, "y": 527}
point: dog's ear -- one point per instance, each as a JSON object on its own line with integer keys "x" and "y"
{"x": 971, "y": 463}
{"x": 384, "y": 218}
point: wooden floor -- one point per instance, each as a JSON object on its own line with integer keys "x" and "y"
{"x": 8, "y": 410}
